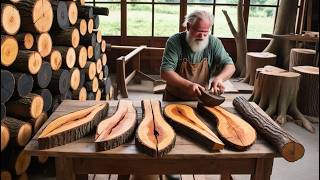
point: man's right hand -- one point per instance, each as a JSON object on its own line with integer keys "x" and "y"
{"x": 193, "y": 89}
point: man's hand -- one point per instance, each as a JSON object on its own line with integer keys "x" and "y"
{"x": 217, "y": 86}
{"x": 194, "y": 89}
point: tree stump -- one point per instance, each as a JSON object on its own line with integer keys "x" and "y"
{"x": 255, "y": 60}
{"x": 301, "y": 57}
{"x": 308, "y": 95}
{"x": 276, "y": 92}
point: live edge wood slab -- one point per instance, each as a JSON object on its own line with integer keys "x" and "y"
{"x": 187, "y": 157}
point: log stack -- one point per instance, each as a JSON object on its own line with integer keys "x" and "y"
{"x": 44, "y": 51}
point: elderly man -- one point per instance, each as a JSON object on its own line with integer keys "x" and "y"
{"x": 192, "y": 57}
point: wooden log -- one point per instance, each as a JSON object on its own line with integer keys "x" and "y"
{"x": 106, "y": 71}
{"x": 308, "y": 95}
{"x": 23, "y": 176}
{"x": 3, "y": 111}
{"x": 80, "y": 2}
{"x": 20, "y": 131}
{"x": 25, "y": 40}
{"x": 5, "y": 137}
{"x": 74, "y": 78}
{"x": 96, "y": 21}
{"x": 80, "y": 94}
{"x": 81, "y": 24}
{"x": 23, "y": 84}
{"x": 6, "y": 175}
{"x": 255, "y": 60}
{"x": 29, "y": 106}
{"x": 285, "y": 143}
{"x": 90, "y": 96}
{"x": 81, "y": 54}
{"x": 43, "y": 78}
{"x": 301, "y": 57}
{"x": 9, "y": 50}
{"x": 100, "y": 75}
{"x": 55, "y": 59}
{"x": 36, "y": 16}
{"x": 47, "y": 98}
{"x": 85, "y": 12}
{"x": 38, "y": 122}
{"x": 68, "y": 56}
{"x": 232, "y": 129}
{"x": 61, "y": 18}
{"x": 68, "y": 37}
{"x": 103, "y": 58}
{"x": 209, "y": 99}
{"x": 90, "y": 70}
{"x": 19, "y": 161}
{"x": 154, "y": 136}
{"x": 101, "y": 11}
{"x": 103, "y": 45}
{"x": 117, "y": 129}
{"x": 90, "y": 52}
{"x": 99, "y": 66}
{"x": 90, "y": 25}
{"x": 97, "y": 95}
{"x": 60, "y": 81}
{"x": 92, "y": 85}
{"x": 99, "y": 35}
{"x": 7, "y": 85}
{"x": 72, "y": 12}
{"x": 43, "y": 44}
{"x": 10, "y": 19}
{"x": 71, "y": 127}
{"x": 183, "y": 120}
{"x": 82, "y": 77}
{"x": 88, "y": 39}
{"x": 97, "y": 51}
{"x": 27, "y": 61}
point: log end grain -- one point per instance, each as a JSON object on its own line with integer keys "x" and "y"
{"x": 10, "y": 19}
{"x": 42, "y": 15}
{"x": 9, "y": 50}
{"x": 5, "y": 137}
{"x": 55, "y": 60}
{"x": 34, "y": 63}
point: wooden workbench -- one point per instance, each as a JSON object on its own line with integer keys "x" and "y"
{"x": 77, "y": 159}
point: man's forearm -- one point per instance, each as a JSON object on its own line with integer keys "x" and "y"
{"x": 226, "y": 72}
{"x": 174, "y": 79}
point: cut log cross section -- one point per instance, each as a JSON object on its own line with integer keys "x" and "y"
{"x": 154, "y": 135}
{"x": 117, "y": 129}
{"x": 183, "y": 118}
{"x": 232, "y": 129}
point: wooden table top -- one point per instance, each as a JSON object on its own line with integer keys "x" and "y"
{"x": 184, "y": 147}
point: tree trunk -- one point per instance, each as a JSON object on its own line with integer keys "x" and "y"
{"x": 60, "y": 82}
{"x": 97, "y": 51}
{"x": 55, "y": 59}
{"x": 104, "y": 58}
{"x": 10, "y": 19}
{"x": 308, "y": 95}
{"x": 23, "y": 83}
{"x": 106, "y": 71}
{"x": 27, "y": 61}
{"x": 5, "y": 136}
{"x": 61, "y": 19}
{"x": 81, "y": 54}
{"x": 29, "y": 106}
{"x": 256, "y": 60}
{"x": 68, "y": 56}
{"x": 68, "y": 37}
{"x": 9, "y": 50}
{"x": 25, "y": 40}
{"x": 43, "y": 78}
{"x": 7, "y": 85}
{"x": 47, "y": 98}
{"x": 240, "y": 37}
{"x": 285, "y": 24}
{"x": 285, "y": 143}
{"x": 301, "y": 57}
{"x": 97, "y": 95}
{"x": 99, "y": 35}
{"x": 20, "y": 131}
{"x": 74, "y": 78}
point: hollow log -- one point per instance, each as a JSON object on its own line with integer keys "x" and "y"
{"x": 74, "y": 78}
{"x": 43, "y": 78}
{"x": 277, "y": 95}
{"x": 36, "y": 16}
{"x": 60, "y": 82}
{"x": 255, "y": 60}
{"x": 47, "y": 98}
{"x": 60, "y": 11}
{"x": 90, "y": 70}
{"x": 20, "y": 131}
{"x": 68, "y": 56}
{"x": 184, "y": 120}
{"x": 7, "y": 85}
{"x": 81, "y": 54}
{"x": 285, "y": 143}
{"x": 55, "y": 59}
{"x": 301, "y": 57}
{"x": 43, "y": 44}
{"x": 232, "y": 129}
{"x": 96, "y": 21}
{"x": 308, "y": 95}
{"x": 27, "y": 61}
{"x": 88, "y": 39}
{"x": 80, "y": 94}
{"x": 23, "y": 84}
{"x": 68, "y": 37}
{"x": 29, "y": 106}
{"x": 81, "y": 24}
{"x": 5, "y": 136}
{"x": 72, "y": 12}
{"x": 90, "y": 25}
{"x": 71, "y": 127}
{"x": 3, "y": 111}
{"x": 10, "y": 19}
{"x": 92, "y": 85}
{"x": 117, "y": 129}
{"x": 85, "y": 12}
{"x": 9, "y": 50}
{"x": 154, "y": 136}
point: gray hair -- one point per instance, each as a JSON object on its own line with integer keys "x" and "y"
{"x": 195, "y": 15}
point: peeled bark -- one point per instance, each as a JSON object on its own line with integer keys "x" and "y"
{"x": 154, "y": 135}
{"x": 285, "y": 143}
{"x": 240, "y": 38}
{"x": 117, "y": 129}
{"x": 71, "y": 127}
{"x": 183, "y": 119}
{"x": 20, "y": 131}
{"x": 232, "y": 129}
{"x": 9, "y": 50}
{"x": 10, "y": 19}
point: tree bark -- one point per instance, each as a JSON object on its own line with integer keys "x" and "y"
{"x": 27, "y": 62}
{"x": 23, "y": 83}
{"x": 60, "y": 82}
{"x": 68, "y": 37}
{"x": 25, "y": 40}
{"x": 20, "y": 131}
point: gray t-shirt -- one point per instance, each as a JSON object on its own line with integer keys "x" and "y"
{"x": 216, "y": 53}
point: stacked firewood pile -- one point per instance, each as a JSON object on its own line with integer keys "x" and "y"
{"x": 50, "y": 51}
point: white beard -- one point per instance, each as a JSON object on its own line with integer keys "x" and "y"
{"x": 197, "y": 45}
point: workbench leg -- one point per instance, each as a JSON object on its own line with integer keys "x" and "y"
{"x": 263, "y": 169}
{"x": 65, "y": 170}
